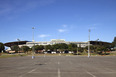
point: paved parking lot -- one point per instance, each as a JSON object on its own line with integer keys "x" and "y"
{"x": 58, "y": 66}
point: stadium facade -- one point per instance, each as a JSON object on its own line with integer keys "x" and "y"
{"x": 57, "y": 41}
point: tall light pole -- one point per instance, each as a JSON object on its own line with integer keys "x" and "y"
{"x": 89, "y": 43}
{"x": 33, "y": 34}
{"x": 33, "y": 49}
{"x": 18, "y": 45}
{"x": 96, "y": 41}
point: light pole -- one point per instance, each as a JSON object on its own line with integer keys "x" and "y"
{"x": 33, "y": 49}
{"x": 96, "y": 41}
{"x": 18, "y": 45}
{"x": 89, "y": 43}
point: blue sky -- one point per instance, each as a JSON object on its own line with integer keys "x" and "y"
{"x": 57, "y": 19}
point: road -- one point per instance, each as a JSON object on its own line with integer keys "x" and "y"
{"x": 58, "y": 66}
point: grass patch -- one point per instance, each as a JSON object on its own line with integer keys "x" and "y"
{"x": 6, "y": 55}
{"x": 113, "y": 54}
{"x": 11, "y": 55}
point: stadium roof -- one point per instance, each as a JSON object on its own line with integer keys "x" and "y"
{"x": 9, "y": 44}
{"x": 99, "y": 43}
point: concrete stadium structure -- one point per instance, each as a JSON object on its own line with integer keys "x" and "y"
{"x": 57, "y": 41}
{"x": 54, "y": 41}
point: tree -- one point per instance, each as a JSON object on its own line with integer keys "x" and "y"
{"x": 80, "y": 49}
{"x": 55, "y": 47}
{"x": 1, "y": 47}
{"x": 102, "y": 50}
{"x": 41, "y": 47}
{"x": 72, "y": 47}
{"x": 38, "y": 47}
{"x": 49, "y": 47}
{"x": 63, "y": 46}
{"x": 114, "y": 42}
{"x": 15, "y": 48}
{"x": 25, "y": 49}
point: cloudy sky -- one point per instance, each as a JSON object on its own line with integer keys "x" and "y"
{"x": 57, "y": 19}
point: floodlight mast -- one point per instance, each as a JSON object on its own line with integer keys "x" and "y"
{"x": 18, "y": 39}
{"x": 33, "y": 49}
{"x": 89, "y": 44}
{"x": 33, "y": 34}
{"x": 18, "y": 45}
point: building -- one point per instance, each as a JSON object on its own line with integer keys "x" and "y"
{"x": 9, "y": 44}
{"x": 56, "y": 41}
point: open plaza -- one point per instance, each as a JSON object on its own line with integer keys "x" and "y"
{"x": 58, "y": 66}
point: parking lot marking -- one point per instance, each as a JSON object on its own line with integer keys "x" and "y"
{"x": 58, "y": 63}
{"x": 59, "y": 72}
{"x": 109, "y": 69}
{"x": 91, "y": 74}
{"x": 32, "y": 70}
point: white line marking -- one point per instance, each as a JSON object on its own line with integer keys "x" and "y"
{"x": 32, "y": 71}
{"x": 109, "y": 69}
{"x": 58, "y": 63}
{"x": 59, "y": 72}
{"x": 91, "y": 74}
{"x": 22, "y": 75}
{"x": 44, "y": 72}
{"x": 28, "y": 72}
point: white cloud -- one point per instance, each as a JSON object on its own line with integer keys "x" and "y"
{"x": 64, "y": 25}
{"x": 43, "y": 35}
{"x": 61, "y": 30}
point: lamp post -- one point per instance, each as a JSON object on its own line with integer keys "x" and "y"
{"x": 89, "y": 44}
{"x": 97, "y": 41}
{"x": 18, "y": 45}
{"x": 33, "y": 49}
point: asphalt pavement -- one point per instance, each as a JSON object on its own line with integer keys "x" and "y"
{"x": 58, "y": 66}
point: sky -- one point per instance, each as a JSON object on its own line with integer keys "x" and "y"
{"x": 57, "y": 19}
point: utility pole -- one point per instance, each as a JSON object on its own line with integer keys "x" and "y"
{"x": 89, "y": 44}
{"x": 18, "y": 46}
{"x": 33, "y": 49}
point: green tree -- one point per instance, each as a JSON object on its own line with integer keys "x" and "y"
{"x": 114, "y": 42}
{"x": 63, "y": 47}
{"x": 1, "y": 47}
{"x": 15, "y": 48}
{"x": 55, "y": 47}
{"x": 102, "y": 50}
{"x": 25, "y": 49}
{"x": 38, "y": 47}
{"x": 49, "y": 47}
{"x": 81, "y": 50}
{"x": 41, "y": 47}
{"x": 72, "y": 47}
